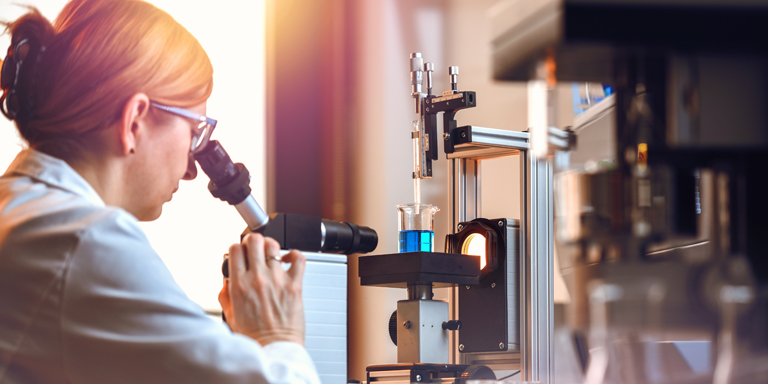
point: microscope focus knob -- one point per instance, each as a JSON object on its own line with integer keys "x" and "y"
{"x": 393, "y": 327}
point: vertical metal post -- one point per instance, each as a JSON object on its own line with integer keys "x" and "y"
{"x": 462, "y": 207}
{"x": 477, "y": 190}
{"x": 536, "y": 266}
{"x": 454, "y": 308}
{"x": 537, "y": 299}
{"x": 452, "y": 187}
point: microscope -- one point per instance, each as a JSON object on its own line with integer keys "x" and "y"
{"x": 501, "y": 268}
{"x": 230, "y": 182}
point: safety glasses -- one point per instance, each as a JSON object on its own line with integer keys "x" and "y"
{"x": 201, "y": 134}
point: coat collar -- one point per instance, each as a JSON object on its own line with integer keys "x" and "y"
{"x": 54, "y": 172}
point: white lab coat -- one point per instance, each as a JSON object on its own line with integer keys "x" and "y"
{"x": 85, "y": 299}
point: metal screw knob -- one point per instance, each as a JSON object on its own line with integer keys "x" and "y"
{"x": 501, "y": 223}
{"x": 461, "y": 347}
{"x": 429, "y": 68}
{"x": 501, "y": 346}
{"x": 418, "y": 377}
{"x": 453, "y": 72}
{"x": 407, "y": 324}
{"x": 417, "y": 61}
{"x": 493, "y": 285}
{"x": 460, "y": 227}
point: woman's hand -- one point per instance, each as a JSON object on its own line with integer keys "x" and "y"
{"x": 260, "y": 299}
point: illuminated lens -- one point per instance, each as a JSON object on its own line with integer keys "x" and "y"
{"x": 474, "y": 245}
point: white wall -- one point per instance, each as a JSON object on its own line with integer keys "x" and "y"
{"x": 195, "y": 229}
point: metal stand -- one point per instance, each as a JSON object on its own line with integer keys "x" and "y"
{"x": 536, "y": 303}
{"x": 530, "y": 284}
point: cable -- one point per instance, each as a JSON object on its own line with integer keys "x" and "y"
{"x": 508, "y": 376}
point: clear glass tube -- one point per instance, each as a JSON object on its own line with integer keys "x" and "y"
{"x": 416, "y": 136}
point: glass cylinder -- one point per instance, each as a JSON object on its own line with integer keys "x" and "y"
{"x": 416, "y": 226}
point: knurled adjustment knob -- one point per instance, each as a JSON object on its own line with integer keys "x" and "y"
{"x": 393, "y": 327}
{"x": 477, "y": 372}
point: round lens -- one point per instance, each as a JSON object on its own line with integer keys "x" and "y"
{"x": 195, "y": 139}
{"x": 474, "y": 244}
{"x": 202, "y": 134}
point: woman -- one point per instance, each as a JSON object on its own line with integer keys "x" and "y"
{"x": 84, "y": 297}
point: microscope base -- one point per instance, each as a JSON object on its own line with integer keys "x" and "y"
{"x": 427, "y": 373}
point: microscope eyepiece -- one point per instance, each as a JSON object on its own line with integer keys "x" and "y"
{"x": 230, "y": 182}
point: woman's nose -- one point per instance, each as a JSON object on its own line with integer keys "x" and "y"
{"x": 191, "y": 169}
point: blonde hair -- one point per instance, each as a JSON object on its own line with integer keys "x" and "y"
{"x": 99, "y": 53}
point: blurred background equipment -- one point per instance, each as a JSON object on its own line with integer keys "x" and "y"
{"x": 659, "y": 213}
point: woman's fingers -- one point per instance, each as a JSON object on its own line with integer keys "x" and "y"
{"x": 237, "y": 267}
{"x": 265, "y": 304}
{"x": 298, "y": 262}
{"x": 254, "y": 251}
{"x": 272, "y": 250}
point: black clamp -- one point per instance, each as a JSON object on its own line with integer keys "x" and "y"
{"x": 452, "y": 325}
{"x": 17, "y": 79}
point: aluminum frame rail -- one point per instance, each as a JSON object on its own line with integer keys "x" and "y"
{"x": 536, "y": 302}
{"x": 490, "y": 143}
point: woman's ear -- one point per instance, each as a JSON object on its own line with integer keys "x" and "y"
{"x": 133, "y": 122}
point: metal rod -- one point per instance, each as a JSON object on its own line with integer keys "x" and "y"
{"x": 453, "y": 212}
{"x": 477, "y": 183}
{"x": 419, "y": 291}
{"x": 454, "y": 308}
{"x": 462, "y": 190}
{"x": 524, "y": 260}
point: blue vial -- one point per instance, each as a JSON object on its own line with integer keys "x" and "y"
{"x": 417, "y": 241}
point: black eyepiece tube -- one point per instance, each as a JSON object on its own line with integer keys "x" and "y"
{"x": 230, "y": 182}
{"x": 347, "y": 238}
{"x": 225, "y": 175}
{"x": 302, "y": 232}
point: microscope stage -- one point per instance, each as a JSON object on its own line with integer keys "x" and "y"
{"x": 398, "y": 270}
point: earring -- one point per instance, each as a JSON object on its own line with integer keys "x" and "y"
{"x": 132, "y": 151}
